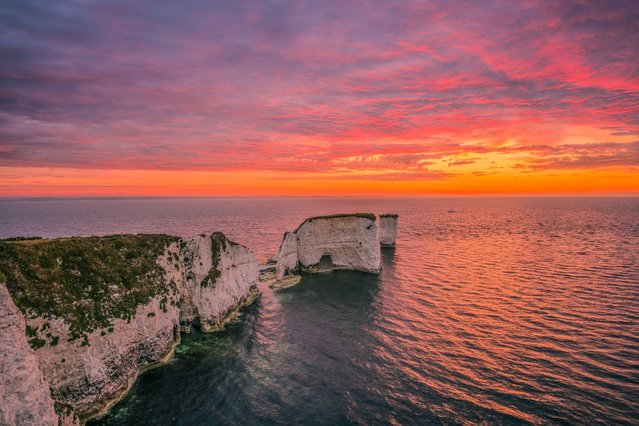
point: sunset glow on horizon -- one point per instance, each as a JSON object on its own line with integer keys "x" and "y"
{"x": 281, "y": 98}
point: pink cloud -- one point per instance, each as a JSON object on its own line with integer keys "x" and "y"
{"x": 306, "y": 86}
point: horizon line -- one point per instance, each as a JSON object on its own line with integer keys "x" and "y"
{"x": 405, "y": 196}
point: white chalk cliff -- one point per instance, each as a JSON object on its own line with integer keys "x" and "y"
{"x": 207, "y": 280}
{"x": 209, "y": 300}
{"x": 387, "y": 230}
{"x": 24, "y": 395}
{"x": 345, "y": 241}
{"x": 287, "y": 257}
{"x": 89, "y": 379}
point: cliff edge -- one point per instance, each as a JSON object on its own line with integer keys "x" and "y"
{"x": 95, "y": 312}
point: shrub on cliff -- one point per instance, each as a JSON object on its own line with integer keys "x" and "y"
{"x": 88, "y": 282}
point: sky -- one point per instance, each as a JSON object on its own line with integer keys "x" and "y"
{"x": 328, "y": 97}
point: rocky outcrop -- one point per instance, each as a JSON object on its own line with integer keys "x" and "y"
{"x": 99, "y": 311}
{"x": 90, "y": 378}
{"x": 339, "y": 242}
{"x": 287, "y": 255}
{"x": 218, "y": 277}
{"x": 24, "y": 395}
{"x": 347, "y": 241}
{"x": 387, "y": 230}
{"x": 286, "y": 281}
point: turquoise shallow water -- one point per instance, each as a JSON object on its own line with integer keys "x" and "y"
{"x": 506, "y": 311}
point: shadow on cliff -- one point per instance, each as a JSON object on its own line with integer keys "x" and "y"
{"x": 207, "y": 370}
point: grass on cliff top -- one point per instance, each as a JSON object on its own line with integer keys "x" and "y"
{"x": 393, "y": 215}
{"x": 88, "y": 282}
{"x": 21, "y": 238}
{"x": 369, "y": 216}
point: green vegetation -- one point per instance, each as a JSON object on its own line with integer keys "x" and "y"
{"x": 36, "y": 343}
{"x": 88, "y": 282}
{"x": 369, "y": 216}
{"x": 389, "y": 215}
{"x": 218, "y": 245}
{"x": 21, "y": 239}
{"x": 62, "y": 409}
{"x": 31, "y": 332}
{"x": 34, "y": 340}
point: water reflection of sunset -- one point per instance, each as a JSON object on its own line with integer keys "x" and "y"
{"x": 509, "y": 300}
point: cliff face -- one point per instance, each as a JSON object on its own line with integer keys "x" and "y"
{"x": 89, "y": 379}
{"x": 387, "y": 230}
{"x": 24, "y": 395}
{"x": 287, "y": 256}
{"x": 101, "y": 310}
{"x": 217, "y": 278}
{"x": 327, "y": 242}
{"x": 348, "y": 242}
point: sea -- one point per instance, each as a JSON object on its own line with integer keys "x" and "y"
{"x": 489, "y": 311}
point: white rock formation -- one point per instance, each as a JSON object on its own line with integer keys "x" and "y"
{"x": 387, "y": 230}
{"x": 209, "y": 279}
{"x": 91, "y": 378}
{"x": 287, "y": 256}
{"x": 24, "y": 395}
{"x": 332, "y": 242}
{"x": 351, "y": 242}
{"x": 209, "y": 300}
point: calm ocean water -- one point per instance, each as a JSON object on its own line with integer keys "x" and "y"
{"x": 504, "y": 311}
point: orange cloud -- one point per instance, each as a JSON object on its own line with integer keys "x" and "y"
{"x": 292, "y": 98}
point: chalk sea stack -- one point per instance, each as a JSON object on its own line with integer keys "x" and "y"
{"x": 85, "y": 316}
{"x": 387, "y": 230}
{"x": 341, "y": 241}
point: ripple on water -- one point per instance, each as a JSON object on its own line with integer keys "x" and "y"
{"x": 509, "y": 311}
